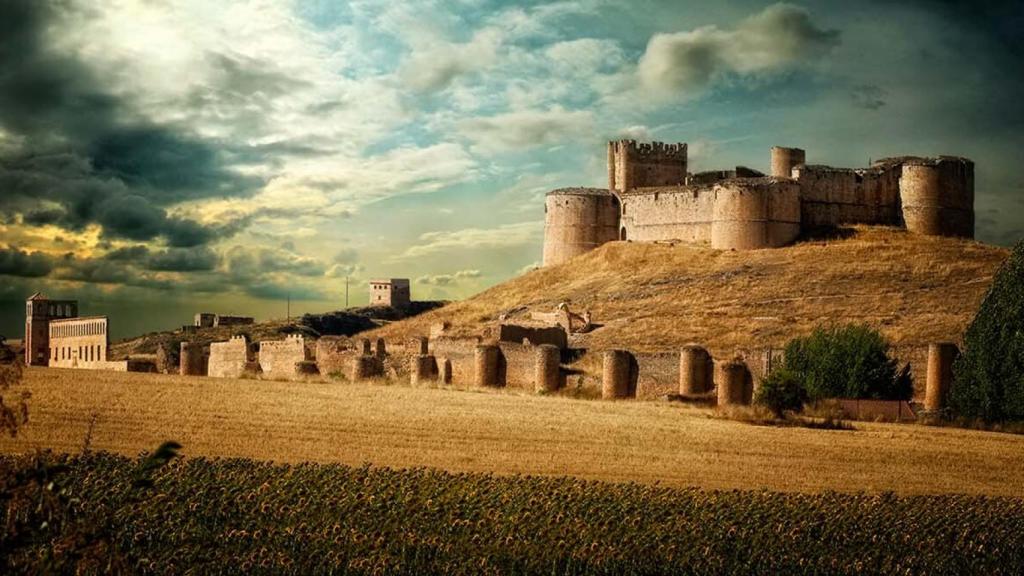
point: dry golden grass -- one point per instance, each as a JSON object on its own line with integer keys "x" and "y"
{"x": 505, "y": 433}
{"x": 655, "y": 297}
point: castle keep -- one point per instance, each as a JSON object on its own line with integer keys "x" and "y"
{"x": 652, "y": 196}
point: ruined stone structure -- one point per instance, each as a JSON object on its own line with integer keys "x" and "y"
{"x": 39, "y": 312}
{"x": 229, "y": 359}
{"x": 940, "y": 375}
{"x": 281, "y": 358}
{"x": 204, "y": 319}
{"x": 209, "y": 320}
{"x": 392, "y": 292}
{"x": 194, "y": 359}
{"x": 652, "y": 197}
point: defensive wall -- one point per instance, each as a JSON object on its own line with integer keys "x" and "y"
{"x": 229, "y": 359}
{"x": 651, "y": 197}
{"x": 280, "y": 359}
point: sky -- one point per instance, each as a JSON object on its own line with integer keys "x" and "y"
{"x": 164, "y": 157}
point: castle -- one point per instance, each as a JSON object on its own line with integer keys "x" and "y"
{"x": 651, "y": 196}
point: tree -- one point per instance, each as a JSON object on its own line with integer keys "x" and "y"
{"x": 988, "y": 377}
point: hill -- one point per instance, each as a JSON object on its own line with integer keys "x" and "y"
{"x": 337, "y": 323}
{"x": 651, "y": 297}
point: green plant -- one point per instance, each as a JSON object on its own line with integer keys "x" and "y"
{"x": 989, "y": 374}
{"x": 782, "y": 391}
{"x": 850, "y": 361}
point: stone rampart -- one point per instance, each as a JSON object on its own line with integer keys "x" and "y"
{"x": 751, "y": 213}
{"x": 938, "y": 196}
{"x": 680, "y": 213}
{"x": 279, "y": 359}
{"x": 334, "y": 355}
{"x": 635, "y": 165}
{"x": 229, "y": 359}
{"x": 515, "y": 333}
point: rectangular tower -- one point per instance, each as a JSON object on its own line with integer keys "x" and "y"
{"x": 644, "y": 165}
{"x": 39, "y": 311}
{"x": 392, "y": 292}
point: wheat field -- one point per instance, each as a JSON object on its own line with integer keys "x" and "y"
{"x": 503, "y": 432}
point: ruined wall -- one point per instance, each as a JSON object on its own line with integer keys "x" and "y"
{"x": 280, "y": 358}
{"x": 517, "y": 365}
{"x": 632, "y": 165}
{"x": 577, "y": 220}
{"x": 938, "y": 196}
{"x": 835, "y": 196}
{"x": 78, "y": 342}
{"x": 678, "y": 213}
{"x": 460, "y": 353}
{"x": 751, "y": 213}
{"x": 334, "y": 355}
{"x": 233, "y": 320}
{"x": 554, "y": 335}
{"x": 658, "y": 375}
{"x": 228, "y": 359}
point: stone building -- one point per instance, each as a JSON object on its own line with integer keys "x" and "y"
{"x": 392, "y": 292}
{"x": 652, "y": 197}
{"x": 39, "y": 312}
{"x": 79, "y": 342}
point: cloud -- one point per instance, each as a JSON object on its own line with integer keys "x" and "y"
{"x": 83, "y": 151}
{"x": 245, "y": 263}
{"x": 868, "y": 96}
{"x": 17, "y": 262}
{"x": 434, "y": 66}
{"x": 508, "y": 235}
{"x": 526, "y": 129}
{"x": 779, "y": 37}
{"x": 448, "y": 279}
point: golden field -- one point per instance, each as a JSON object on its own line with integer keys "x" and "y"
{"x": 504, "y": 432}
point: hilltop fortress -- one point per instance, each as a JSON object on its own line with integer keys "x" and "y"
{"x": 651, "y": 196}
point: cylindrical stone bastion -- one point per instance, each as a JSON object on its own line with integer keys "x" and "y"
{"x": 547, "y": 368}
{"x": 937, "y": 196}
{"x": 615, "y": 375}
{"x": 577, "y": 220}
{"x": 731, "y": 381}
{"x": 752, "y": 213}
{"x": 694, "y": 370}
{"x": 785, "y": 159}
{"x": 485, "y": 363}
{"x": 940, "y": 375}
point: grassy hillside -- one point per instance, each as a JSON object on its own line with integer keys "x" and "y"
{"x": 655, "y": 297}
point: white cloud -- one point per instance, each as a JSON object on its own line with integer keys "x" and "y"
{"x": 526, "y": 129}
{"x": 448, "y": 279}
{"x": 435, "y": 66}
{"x": 508, "y": 235}
{"x": 780, "y": 36}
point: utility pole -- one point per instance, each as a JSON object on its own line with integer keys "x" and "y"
{"x": 288, "y": 310}
{"x": 346, "y": 292}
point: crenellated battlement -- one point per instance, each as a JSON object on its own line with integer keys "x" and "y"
{"x": 635, "y": 165}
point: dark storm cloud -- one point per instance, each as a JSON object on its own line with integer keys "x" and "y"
{"x": 183, "y": 260}
{"x": 868, "y": 96}
{"x": 17, "y": 262}
{"x": 1002, "y": 20}
{"x": 81, "y": 148}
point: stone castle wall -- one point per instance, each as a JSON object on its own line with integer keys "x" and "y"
{"x": 833, "y": 196}
{"x": 682, "y": 213}
{"x": 228, "y": 359}
{"x": 280, "y": 358}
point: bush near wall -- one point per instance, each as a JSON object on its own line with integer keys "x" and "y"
{"x": 243, "y": 517}
{"x": 849, "y": 361}
{"x": 989, "y": 374}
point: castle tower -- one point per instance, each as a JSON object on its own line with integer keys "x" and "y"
{"x": 632, "y": 165}
{"x": 577, "y": 220}
{"x": 937, "y": 196}
{"x": 785, "y": 159}
{"x": 39, "y": 310}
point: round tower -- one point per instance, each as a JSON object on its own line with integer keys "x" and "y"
{"x": 577, "y": 220}
{"x": 785, "y": 159}
{"x": 937, "y": 196}
{"x": 751, "y": 213}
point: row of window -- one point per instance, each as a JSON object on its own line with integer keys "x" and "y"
{"x": 84, "y": 329}
{"x": 90, "y": 353}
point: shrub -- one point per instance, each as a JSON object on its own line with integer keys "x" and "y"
{"x": 782, "y": 390}
{"x": 989, "y": 374}
{"x": 850, "y": 361}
